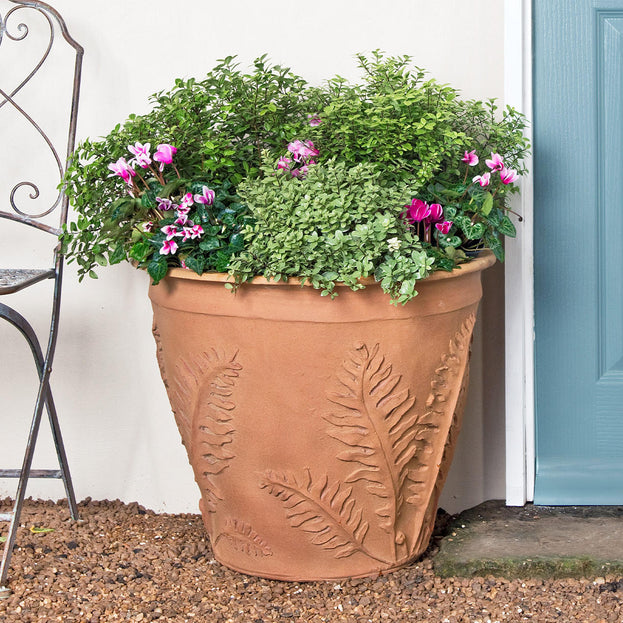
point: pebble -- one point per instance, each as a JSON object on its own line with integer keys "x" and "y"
{"x": 126, "y": 563}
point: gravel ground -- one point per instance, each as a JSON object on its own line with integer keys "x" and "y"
{"x": 123, "y": 563}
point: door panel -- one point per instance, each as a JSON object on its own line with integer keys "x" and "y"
{"x": 578, "y": 173}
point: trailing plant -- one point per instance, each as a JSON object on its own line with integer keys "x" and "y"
{"x": 335, "y": 224}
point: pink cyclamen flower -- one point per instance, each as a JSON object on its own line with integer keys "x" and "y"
{"x": 141, "y": 154}
{"x": 192, "y": 232}
{"x": 165, "y": 204}
{"x": 168, "y": 247}
{"x": 123, "y": 169}
{"x": 302, "y": 150}
{"x": 470, "y": 158}
{"x": 496, "y": 163}
{"x": 444, "y": 227}
{"x": 417, "y": 211}
{"x": 164, "y": 154}
{"x": 436, "y": 213}
{"x": 314, "y": 120}
{"x": 187, "y": 201}
{"x": 182, "y": 219}
{"x": 508, "y": 176}
{"x": 171, "y": 231}
{"x": 197, "y": 231}
{"x": 483, "y": 180}
{"x": 148, "y": 226}
{"x": 206, "y": 197}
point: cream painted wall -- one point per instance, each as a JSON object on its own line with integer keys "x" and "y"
{"x": 119, "y": 433}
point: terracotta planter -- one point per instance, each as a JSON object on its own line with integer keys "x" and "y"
{"x": 320, "y": 432}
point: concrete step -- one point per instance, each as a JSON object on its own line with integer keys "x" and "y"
{"x": 533, "y": 542}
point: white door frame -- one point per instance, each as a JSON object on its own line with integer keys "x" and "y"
{"x": 519, "y": 295}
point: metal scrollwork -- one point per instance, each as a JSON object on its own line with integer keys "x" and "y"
{"x": 20, "y": 33}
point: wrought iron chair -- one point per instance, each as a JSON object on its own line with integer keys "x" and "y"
{"x": 26, "y": 20}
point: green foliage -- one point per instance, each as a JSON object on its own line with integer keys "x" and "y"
{"x": 221, "y": 125}
{"x": 401, "y": 270}
{"x": 337, "y": 214}
{"x": 334, "y": 225}
{"x": 417, "y": 128}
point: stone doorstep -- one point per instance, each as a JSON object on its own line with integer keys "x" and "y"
{"x": 533, "y": 542}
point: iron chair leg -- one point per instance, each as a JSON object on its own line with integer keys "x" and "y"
{"x": 44, "y": 398}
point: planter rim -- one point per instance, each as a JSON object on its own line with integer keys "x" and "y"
{"x": 480, "y": 263}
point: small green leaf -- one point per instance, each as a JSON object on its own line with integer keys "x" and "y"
{"x": 496, "y": 246}
{"x": 36, "y": 530}
{"x": 449, "y": 213}
{"x": 195, "y": 264}
{"x": 237, "y": 241}
{"x": 475, "y": 231}
{"x": 118, "y": 255}
{"x": 148, "y": 200}
{"x": 449, "y": 241}
{"x": 507, "y": 228}
{"x": 157, "y": 268}
{"x": 140, "y": 250}
{"x": 121, "y": 208}
{"x": 210, "y": 244}
{"x": 171, "y": 187}
{"x": 487, "y": 204}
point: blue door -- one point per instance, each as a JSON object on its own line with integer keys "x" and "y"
{"x": 578, "y": 173}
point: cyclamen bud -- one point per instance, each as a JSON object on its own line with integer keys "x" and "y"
{"x": 436, "y": 213}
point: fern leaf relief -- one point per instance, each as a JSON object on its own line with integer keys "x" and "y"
{"x": 203, "y": 406}
{"x": 243, "y": 538}
{"x": 327, "y": 512}
{"x": 373, "y": 421}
